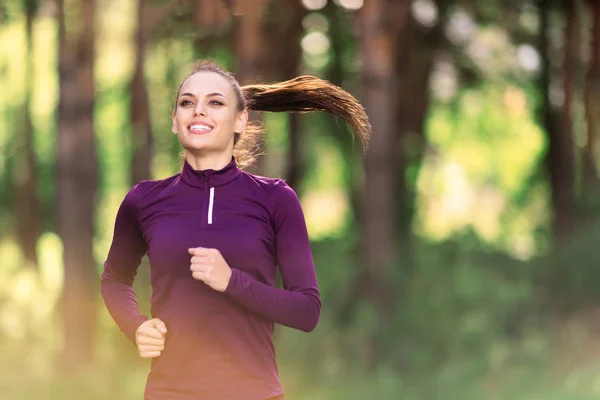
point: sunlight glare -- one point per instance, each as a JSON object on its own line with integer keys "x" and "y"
{"x": 314, "y": 5}
{"x": 351, "y": 5}
{"x": 315, "y": 22}
{"x": 515, "y": 100}
{"x": 315, "y": 43}
{"x": 523, "y": 247}
{"x": 460, "y": 27}
{"x": 425, "y": 12}
{"x": 23, "y": 285}
{"x": 50, "y": 250}
{"x": 325, "y": 212}
{"x": 444, "y": 80}
{"x": 528, "y": 57}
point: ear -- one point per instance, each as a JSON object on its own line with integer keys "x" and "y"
{"x": 241, "y": 121}
{"x": 174, "y": 126}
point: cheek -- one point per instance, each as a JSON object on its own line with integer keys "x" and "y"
{"x": 180, "y": 116}
{"x": 233, "y": 119}
{"x": 224, "y": 120}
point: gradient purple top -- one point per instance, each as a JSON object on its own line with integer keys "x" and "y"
{"x": 218, "y": 345}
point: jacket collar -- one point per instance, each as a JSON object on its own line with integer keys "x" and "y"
{"x": 209, "y": 177}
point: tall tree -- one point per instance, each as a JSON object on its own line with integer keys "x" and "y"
{"x": 77, "y": 180}
{"x": 212, "y": 15}
{"x": 27, "y": 214}
{"x": 149, "y": 17}
{"x": 249, "y": 43}
{"x": 380, "y": 21}
{"x": 592, "y": 103}
{"x": 560, "y": 153}
{"x": 211, "y": 18}
{"x": 342, "y": 40}
{"x": 570, "y": 60}
{"x": 285, "y": 55}
{"x": 249, "y": 46}
{"x": 140, "y": 116}
{"x": 416, "y": 48}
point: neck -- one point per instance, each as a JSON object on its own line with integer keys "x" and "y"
{"x": 208, "y": 161}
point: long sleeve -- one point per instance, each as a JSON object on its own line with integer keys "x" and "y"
{"x": 298, "y": 304}
{"x": 124, "y": 257}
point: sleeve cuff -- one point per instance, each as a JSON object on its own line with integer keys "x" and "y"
{"x": 133, "y": 326}
{"x": 237, "y": 283}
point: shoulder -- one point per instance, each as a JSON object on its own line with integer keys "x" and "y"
{"x": 274, "y": 188}
{"x": 148, "y": 188}
{"x": 260, "y": 181}
{"x": 279, "y": 197}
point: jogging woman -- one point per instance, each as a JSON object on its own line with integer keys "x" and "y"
{"x": 215, "y": 236}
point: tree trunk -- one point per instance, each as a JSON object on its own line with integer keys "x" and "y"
{"x": 336, "y": 75}
{"x": 380, "y": 21}
{"x": 77, "y": 185}
{"x": 149, "y": 17}
{"x": 592, "y": 108}
{"x": 211, "y": 15}
{"x": 249, "y": 49}
{"x": 249, "y": 42}
{"x": 212, "y": 18}
{"x": 570, "y": 60}
{"x": 351, "y": 158}
{"x": 559, "y": 158}
{"x": 571, "y": 40}
{"x": 295, "y": 167}
{"x": 416, "y": 49}
{"x": 140, "y": 118}
{"x": 285, "y": 32}
{"x": 27, "y": 209}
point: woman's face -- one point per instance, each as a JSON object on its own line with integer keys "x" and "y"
{"x": 207, "y": 116}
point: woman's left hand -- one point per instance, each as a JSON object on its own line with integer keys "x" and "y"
{"x": 209, "y": 266}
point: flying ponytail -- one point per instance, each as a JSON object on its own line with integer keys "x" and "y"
{"x": 308, "y": 93}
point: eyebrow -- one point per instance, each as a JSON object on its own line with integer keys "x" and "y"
{"x": 208, "y": 95}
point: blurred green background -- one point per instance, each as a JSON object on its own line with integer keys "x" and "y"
{"x": 456, "y": 259}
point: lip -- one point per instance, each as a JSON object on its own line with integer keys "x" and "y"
{"x": 199, "y": 123}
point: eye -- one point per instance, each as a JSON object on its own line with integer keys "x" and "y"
{"x": 216, "y": 102}
{"x": 184, "y": 103}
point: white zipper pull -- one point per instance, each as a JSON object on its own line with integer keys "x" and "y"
{"x": 210, "y": 205}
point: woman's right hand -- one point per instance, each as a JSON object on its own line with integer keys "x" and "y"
{"x": 150, "y": 338}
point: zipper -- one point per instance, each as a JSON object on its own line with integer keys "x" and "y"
{"x": 211, "y": 204}
{"x": 208, "y": 205}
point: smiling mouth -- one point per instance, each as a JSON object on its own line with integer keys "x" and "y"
{"x": 199, "y": 128}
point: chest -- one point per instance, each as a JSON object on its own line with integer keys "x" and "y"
{"x": 238, "y": 226}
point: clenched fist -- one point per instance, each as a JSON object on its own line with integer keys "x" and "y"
{"x": 150, "y": 338}
{"x": 209, "y": 266}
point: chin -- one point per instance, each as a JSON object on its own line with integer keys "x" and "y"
{"x": 202, "y": 148}
{"x": 202, "y": 144}
{"x": 196, "y": 143}
{"x": 195, "y": 149}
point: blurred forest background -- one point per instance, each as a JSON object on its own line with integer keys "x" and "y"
{"x": 457, "y": 259}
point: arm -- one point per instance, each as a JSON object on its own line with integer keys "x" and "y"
{"x": 124, "y": 257}
{"x": 298, "y": 305}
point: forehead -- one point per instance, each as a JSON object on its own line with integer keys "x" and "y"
{"x": 203, "y": 83}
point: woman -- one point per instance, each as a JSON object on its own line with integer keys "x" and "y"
{"x": 215, "y": 236}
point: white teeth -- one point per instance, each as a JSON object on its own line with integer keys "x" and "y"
{"x": 200, "y": 127}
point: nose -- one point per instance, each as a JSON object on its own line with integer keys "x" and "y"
{"x": 199, "y": 110}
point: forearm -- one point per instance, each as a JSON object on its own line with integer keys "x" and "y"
{"x": 299, "y": 309}
{"x": 121, "y": 302}
{"x": 124, "y": 256}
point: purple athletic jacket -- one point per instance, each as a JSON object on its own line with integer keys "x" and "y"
{"x": 219, "y": 345}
